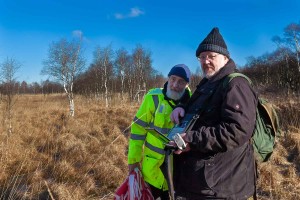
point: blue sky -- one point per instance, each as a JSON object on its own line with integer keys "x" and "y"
{"x": 171, "y": 30}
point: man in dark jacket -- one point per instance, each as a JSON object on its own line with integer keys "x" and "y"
{"x": 218, "y": 162}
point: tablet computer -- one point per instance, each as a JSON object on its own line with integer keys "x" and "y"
{"x": 158, "y": 135}
{"x": 184, "y": 124}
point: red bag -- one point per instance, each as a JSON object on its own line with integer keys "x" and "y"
{"x": 134, "y": 188}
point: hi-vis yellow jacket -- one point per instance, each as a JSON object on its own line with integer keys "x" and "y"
{"x": 154, "y": 112}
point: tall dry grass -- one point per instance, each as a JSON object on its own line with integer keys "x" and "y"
{"x": 279, "y": 179}
{"x": 52, "y": 156}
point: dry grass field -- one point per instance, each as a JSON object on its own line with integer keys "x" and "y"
{"x": 49, "y": 155}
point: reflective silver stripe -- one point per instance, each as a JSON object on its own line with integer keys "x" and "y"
{"x": 162, "y": 130}
{"x": 155, "y": 100}
{"x": 140, "y": 122}
{"x": 137, "y": 137}
{"x": 155, "y": 149}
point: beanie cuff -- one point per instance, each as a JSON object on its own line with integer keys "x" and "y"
{"x": 213, "y": 48}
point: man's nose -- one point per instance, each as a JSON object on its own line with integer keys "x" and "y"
{"x": 206, "y": 60}
{"x": 175, "y": 84}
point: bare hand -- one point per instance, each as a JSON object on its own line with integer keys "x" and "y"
{"x": 177, "y": 114}
{"x": 187, "y": 148}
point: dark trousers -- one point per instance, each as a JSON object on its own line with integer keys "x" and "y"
{"x": 164, "y": 195}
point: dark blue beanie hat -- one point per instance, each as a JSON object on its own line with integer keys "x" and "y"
{"x": 182, "y": 71}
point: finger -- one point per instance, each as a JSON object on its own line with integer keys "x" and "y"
{"x": 172, "y": 117}
{"x": 177, "y": 117}
{"x": 182, "y": 113}
{"x": 183, "y": 136}
{"x": 178, "y": 151}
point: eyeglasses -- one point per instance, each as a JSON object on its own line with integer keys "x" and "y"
{"x": 209, "y": 57}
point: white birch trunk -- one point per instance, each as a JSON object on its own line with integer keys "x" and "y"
{"x": 72, "y": 107}
{"x": 106, "y": 93}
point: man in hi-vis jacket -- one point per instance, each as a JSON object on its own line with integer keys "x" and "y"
{"x": 145, "y": 150}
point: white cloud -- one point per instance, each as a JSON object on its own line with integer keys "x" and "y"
{"x": 134, "y": 12}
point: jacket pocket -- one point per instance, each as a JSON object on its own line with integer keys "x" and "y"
{"x": 193, "y": 176}
{"x": 160, "y": 119}
{"x": 235, "y": 169}
{"x": 151, "y": 168}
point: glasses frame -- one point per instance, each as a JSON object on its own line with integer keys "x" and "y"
{"x": 209, "y": 57}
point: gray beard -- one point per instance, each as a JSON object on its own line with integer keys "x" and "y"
{"x": 173, "y": 94}
{"x": 209, "y": 76}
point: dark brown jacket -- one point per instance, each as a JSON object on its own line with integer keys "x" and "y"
{"x": 220, "y": 164}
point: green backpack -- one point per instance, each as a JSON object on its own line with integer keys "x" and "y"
{"x": 266, "y": 125}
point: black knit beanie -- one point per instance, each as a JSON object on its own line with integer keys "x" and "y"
{"x": 213, "y": 42}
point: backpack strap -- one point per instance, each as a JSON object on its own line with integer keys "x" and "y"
{"x": 225, "y": 82}
{"x": 232, "y": 76}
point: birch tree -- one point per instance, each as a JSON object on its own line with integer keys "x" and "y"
{"x": 143, "y": 69}
{"x": 65, "y": 61}
{"x": 9, "y": 69}
{"x": 288, "y": 73}
{"x": 122, "y": 63}
{"x": 103, "y": 62}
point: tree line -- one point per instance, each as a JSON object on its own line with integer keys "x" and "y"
{"x": 45, "y": 87}
{"x": 278, "y": 71}
{"x": 131, "y": 74}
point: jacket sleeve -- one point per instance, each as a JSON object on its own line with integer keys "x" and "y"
{"x": 142, "y": 119}
{"x": 238, "y": 114}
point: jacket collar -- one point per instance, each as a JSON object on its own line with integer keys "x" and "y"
{"x": 229, "y": 68}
